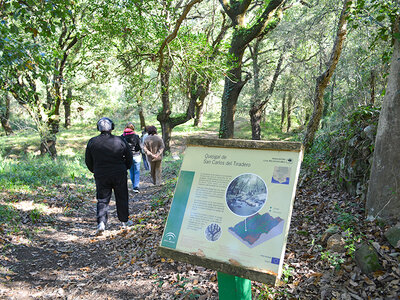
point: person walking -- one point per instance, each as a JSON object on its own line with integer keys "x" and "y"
{"x": 109, "y": 157}
{"x": 154, "y": 146}
{"x": 144, "y": 158}
{"x": 133, "y": 141}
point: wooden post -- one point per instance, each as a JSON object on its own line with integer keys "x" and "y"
{"x": 233, "y": 288}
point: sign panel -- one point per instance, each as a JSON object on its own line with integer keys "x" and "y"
{"x": 232, "y": 206}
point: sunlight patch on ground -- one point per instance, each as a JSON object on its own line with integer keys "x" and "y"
{"x": 199, "y": 133}
{"x": 30, "y": 206}
{"x": 69, "y": 152}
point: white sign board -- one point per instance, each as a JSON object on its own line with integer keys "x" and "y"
{"x": 232, "y": 206}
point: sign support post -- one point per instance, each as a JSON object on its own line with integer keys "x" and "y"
{"x": 233, "y": 288}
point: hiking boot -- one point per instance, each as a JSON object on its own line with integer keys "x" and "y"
{"x": 136, "y": 190}
{"x": 127, "y": 224}
{"x": 100, "y": 228}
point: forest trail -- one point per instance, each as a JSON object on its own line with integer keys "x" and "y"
{"x": 69, "y": 262}
{"x": 61, "y": 258}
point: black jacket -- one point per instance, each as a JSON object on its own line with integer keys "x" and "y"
{"x": 107, "y": 155}
{"x": 133, "y": 141}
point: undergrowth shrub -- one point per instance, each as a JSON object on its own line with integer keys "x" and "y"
{"x": 346, "y": 150}
{"x": 31, "y": 172}
{"x": 318, "y": 156}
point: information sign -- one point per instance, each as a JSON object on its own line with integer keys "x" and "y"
{"x": 232, "y": 206}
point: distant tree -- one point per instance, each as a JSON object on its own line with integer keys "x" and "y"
{"x": 243, "y": 34}
{"x": 259, "y": 102}
{"x": 164, "y": 45}
{"x": 38, "y": 39}
{"x": 5, "y": 113}
{"x": 323, "y": 79}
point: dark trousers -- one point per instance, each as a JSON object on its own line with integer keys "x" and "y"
{"x": 104, "y": 187}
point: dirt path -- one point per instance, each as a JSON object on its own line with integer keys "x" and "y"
{"x": 68, "y": 261}
{"x": 63, "y": 259}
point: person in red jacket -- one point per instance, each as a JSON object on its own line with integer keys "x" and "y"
{"x": 109, "y": 157}
{"x": 133, "y": 141}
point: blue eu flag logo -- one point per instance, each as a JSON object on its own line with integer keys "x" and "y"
{"x": 275, "y": 261}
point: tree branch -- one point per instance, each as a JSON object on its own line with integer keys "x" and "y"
{"x": 174, "y": 33}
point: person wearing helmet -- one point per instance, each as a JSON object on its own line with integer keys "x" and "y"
{"x": 109, "y": 157}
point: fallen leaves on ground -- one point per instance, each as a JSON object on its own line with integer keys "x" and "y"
{"x": 64, "y": 259}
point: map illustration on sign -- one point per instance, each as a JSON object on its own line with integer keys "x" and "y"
{"x": 281, "y": 175}
{"x": 257, "y": 229}
{"x": 246, "y": 194}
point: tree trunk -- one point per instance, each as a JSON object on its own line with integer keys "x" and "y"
{"x": 199, "y": 107}
{"x": 67, "y": 108}
{"x": 163, "y": 115}
{"x": 198, "y": 114}
{"x": 323, "y": 80}
{"x": 255, "y": 113}
{"x": 372, "y": 86}
{"x": 139, "y": 101}
{"x": 289, "y": 112}
{"x": 283, "y": 113}
{"x": 5, "y": 114}
{"x": 258, "y": 106}
{"x": 49, "y": 138}
{"x": 255, "y": 121}
{"x": 383, "y": 197}
{"x": 232, "y": 89}
{"x": 241, "y": 37}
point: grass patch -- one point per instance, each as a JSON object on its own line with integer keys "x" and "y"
{"x": 8, "y": 215}
{"x": 30, "y": 172}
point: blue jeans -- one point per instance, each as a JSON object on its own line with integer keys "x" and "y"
{"x": 135, "y": 174}
{"x": 145, "y": 163}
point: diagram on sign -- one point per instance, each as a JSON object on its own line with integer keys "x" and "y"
{"x": 213, "y": 232}
{"x": 245, "y": 196}
{"x": 257, "y": 229}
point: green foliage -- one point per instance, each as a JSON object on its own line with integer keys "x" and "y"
{"x": 165, "y": 196}
{"x": 287, "y": 273}
{"x": 344, "y": 219}
{"x": 352, "y": 240}
{"x": 363, "y": 115}
{"x": 23, "y": 174}
{"x": 370, "y": 13}
{"x": 318, "y": 157}
{"x": 9, "y": 215}
{"x": 35, "y": 215}
{"x": 332, "y": 144}
{"x": 268, "y": 292}
{"x": 334, "y": 259}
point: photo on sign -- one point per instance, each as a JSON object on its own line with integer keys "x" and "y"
{"x": 246, "y": 194}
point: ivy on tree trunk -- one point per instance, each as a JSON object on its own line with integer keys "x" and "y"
{"x": 241, "y": 37}
{"x": 323, "y": 79}
{"x": 5, "y": 114}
